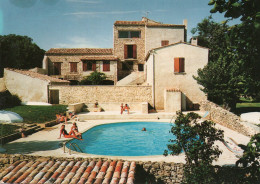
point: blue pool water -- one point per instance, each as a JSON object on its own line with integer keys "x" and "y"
{"x": 126, "y": 139}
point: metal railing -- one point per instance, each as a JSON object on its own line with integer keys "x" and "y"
{"x": 74, "y": 146}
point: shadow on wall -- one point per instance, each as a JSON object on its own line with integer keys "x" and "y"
{"x": 28, "y": 147}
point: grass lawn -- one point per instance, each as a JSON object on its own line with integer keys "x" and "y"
{"x": 247, "y": 106}
{"x": 38, "y": 114}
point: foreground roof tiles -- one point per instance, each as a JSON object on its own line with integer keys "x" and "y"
{"x": 65, "y": 172}
{"x": 90, "y": 51}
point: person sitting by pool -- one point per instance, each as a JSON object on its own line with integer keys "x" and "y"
{"x": 122, "y": 108}
{"x": 74, "y": 131}
{"x": 126, "y": 108}
{"x": 144, "y": 129}
{"x": 64, "y": 133}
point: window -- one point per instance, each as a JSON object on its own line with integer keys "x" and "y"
{"x": 85, "y": 65}
{"x": 140, "y": 67}
{"x": 73, "y": 67}
{"x": 179, "y": 65}
{"x": 57, "y": 68}
{"x": 106, "y": 66}
{"x": 164, "y": 42}
{"x": 89, "y": 66}
{"x": 129, "y": 34}
{"x": 127, "y": 66}
{"x": 130, "y": 52}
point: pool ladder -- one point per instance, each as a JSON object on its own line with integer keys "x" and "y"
{"x": 74, "y": 145}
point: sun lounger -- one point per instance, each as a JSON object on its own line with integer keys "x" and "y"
{"x": 233, "y": 147}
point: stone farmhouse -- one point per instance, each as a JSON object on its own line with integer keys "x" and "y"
{"x": 150, "y": 63}
{"x": 132, "y": 41}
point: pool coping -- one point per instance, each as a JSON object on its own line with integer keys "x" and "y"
{"x": 121, "y": 157}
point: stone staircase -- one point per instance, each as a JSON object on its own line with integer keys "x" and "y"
{"x": 135, "y": 78}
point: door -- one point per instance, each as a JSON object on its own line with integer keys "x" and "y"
{"x": 54, "y": 96}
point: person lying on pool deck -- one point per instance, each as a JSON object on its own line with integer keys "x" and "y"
{"x": 64, "y": 133}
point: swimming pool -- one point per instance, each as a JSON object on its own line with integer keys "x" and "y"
{"x": 126, "y": 139}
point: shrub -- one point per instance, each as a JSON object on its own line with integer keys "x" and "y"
{"x": 196, "y": 139}
{"x": 95, "y": 78}
{"x": 8, "y": 100}
{"x": 250, "y": 160}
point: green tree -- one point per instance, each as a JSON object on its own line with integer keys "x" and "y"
{"x": 196, "y": 139}
{"x": 19, "y": 52}
{"x": 211, "y": 35}
{"x": 95, "y": 78}
{"x": 251, "y": 159}
{"x": 234, "y": 53}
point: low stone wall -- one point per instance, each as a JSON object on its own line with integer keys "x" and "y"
{"x": 76, "y": 107}
{"x": 18, "y": 135}
{"x": 103, "y": 94}
{"x": 226, "y": 118}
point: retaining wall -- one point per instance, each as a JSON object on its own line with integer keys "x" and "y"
{"x": 102, "y": 94}
{"x": 227, "y": 118}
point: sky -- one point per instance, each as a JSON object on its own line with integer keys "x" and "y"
{"x": 89, "y": 23}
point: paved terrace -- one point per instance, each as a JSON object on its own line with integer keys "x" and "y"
{"x": 46, "y": 142}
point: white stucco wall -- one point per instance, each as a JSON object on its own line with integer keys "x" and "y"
{"x": 149, "y": 70}
{"x": 195, "y": 58}
{"x": 154, "y": 36}
{"x": 27, "y": 88}
{"x": 2, "y": 85}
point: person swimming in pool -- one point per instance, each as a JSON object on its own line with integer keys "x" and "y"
{"x": 144, "y": 129}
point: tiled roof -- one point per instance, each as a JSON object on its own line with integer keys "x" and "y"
{"x": 110, "y": 58}
{"x": 91, "y": 51}
{"x": 148, "y": 53}
{"x": 38, "y": 76}
{"x": 143, "y": 23}
{"x": 48, "y": 172}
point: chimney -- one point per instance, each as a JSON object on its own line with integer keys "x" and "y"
{"x": 194, "y": 41}
{"x": 185, "y": 23}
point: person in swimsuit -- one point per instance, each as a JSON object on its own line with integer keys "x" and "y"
{"x": 122, "y": 108}
{"x": 74, "y": 131}
{"x": 63, "y": 132}
{"x": 126, "y": 108}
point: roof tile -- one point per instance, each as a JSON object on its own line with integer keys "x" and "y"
{"x": 69, "y": 172}
{"x": 143, "y": 23}
{"x": 90, "y": 51}
{"x": 38, "y": 76}
{"x": 110, "y": 58}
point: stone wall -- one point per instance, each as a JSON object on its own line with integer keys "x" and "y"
{"x": 65, "y": 61}
{"x": 226, "y": 118}
{"x": 120, "y": 42}
{"x": 91, "y": 94}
